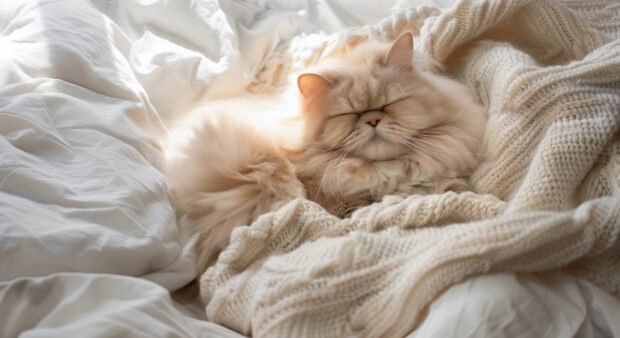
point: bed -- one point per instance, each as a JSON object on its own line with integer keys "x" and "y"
{"x": 89, "y": 244}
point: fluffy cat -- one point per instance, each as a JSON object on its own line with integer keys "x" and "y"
{"x": 376, "y": 121}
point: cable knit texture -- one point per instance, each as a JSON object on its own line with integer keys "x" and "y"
{"x": 548, "y": 191}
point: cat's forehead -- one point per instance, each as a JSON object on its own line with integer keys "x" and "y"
{"x": 362, "y": 91}
{"x": 360, "y": 80}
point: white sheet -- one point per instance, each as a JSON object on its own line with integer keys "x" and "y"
{"x": 511, "y": 305}
{"x": 90, "y": 305}
{"x": 79, "y": 184}
{"x": 88, "y": 237}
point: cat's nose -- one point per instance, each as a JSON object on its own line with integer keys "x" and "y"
{"x": 374, "y": 121}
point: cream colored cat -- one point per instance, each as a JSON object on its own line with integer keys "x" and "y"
{"x": 373, "y": 122}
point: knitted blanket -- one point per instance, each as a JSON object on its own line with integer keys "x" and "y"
{"x": 547, "y": 194}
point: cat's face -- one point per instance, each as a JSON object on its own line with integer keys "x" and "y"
{"x": 374, "y": 107}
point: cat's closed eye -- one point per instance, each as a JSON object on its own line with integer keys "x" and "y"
{"x": 382, "y": 109}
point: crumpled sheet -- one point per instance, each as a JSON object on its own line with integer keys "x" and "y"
{"x": 88, "y": 237}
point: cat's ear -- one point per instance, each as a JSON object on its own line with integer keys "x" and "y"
{"x": 401, "y": 53}
{"x": 311, "y": 85}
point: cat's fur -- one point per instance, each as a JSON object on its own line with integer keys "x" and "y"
{"x": 373, "y": 122}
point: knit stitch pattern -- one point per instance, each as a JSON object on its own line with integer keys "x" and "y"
{"x": 547, "y": 193}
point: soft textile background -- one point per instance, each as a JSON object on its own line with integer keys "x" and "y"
{"x": 88, "y": 238}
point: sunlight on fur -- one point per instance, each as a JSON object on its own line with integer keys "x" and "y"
{"x": 378, "y": 120}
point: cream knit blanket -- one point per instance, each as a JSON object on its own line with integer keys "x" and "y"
{"x": 548, "y": 190}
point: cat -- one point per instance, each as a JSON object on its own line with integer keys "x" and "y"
{"x": 378, "y": 120}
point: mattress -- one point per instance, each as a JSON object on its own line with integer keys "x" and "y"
{"x": 89, "y": 244}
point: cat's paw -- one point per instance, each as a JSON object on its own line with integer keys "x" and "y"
{"x": 421, "y": 187}
{"x": 453, "y": 184}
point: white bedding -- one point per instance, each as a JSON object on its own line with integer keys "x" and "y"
{"x": 88, "y": 237}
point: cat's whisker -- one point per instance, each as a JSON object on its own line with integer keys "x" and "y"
{"x": 321, "y": 186}
{"x": 402, "y": 91}
{"x": 440, "y": 135}
{"x": 338, "y": 193}
{"x": 341, "y": 162}
{"x": 428, "y": 150}
{"x": 331, "y": 168}
{"x": 436, "y": 146}
{"x": 420, "y": 149}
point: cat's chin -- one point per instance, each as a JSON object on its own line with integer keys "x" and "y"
{"x": 379, "y": 149}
